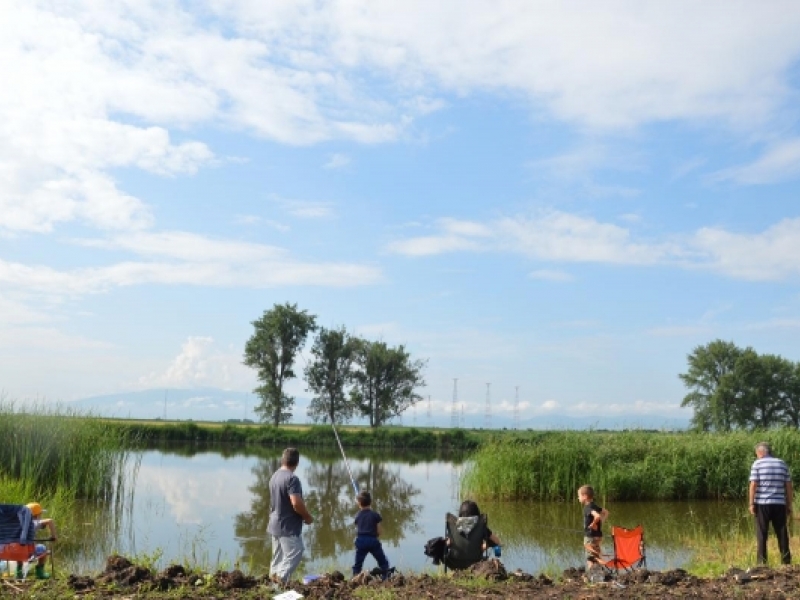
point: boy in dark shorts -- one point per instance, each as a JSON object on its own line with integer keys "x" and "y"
{"x": 368, "y": 530}
{"x": 593, "y": 517}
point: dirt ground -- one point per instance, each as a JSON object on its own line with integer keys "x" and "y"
{"x": 123, "y": 580}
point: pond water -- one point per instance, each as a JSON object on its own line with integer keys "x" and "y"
{"x": 211, "y": 509}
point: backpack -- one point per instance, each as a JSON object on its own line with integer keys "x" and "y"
{"x": 435, "y": 548}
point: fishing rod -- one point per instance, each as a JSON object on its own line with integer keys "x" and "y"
{"x": 346, "y": 464}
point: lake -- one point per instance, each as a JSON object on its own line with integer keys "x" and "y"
{"x": 210, "y": 509}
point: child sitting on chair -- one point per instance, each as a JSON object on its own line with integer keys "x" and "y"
{"x": 593, "y": 517}
{"x": 41, "y": 551}
{"x": 368, "y": 530}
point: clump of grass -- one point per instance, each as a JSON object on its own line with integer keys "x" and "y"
{"x": 49, "y": 452}
{"x": 626, "y": 465}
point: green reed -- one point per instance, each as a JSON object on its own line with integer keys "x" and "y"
{"x": 50, "y": 451}
{"x": 626, "y": 465}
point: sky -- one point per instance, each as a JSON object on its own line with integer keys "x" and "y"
{"x": 553, "y": 203}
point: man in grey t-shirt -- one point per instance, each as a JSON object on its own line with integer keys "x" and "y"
{"x": 287, "y": 513}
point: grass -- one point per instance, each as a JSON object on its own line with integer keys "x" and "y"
{"x": 51, "y": 451}
{"x": 713, "y": 556}
{"x": 71, "y": 464}
{"x": 622, "y": 466}
{"x": 317, "y": 436}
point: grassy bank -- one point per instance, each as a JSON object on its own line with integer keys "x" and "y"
{"x": 315, "y": 436}
{"x": 631, "y": 465}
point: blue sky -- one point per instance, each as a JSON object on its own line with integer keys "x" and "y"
{"x": 564, "y": 197}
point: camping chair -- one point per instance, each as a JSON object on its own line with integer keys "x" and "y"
{"x": 466, "y": 543}
{"x": 628, "y": 550}
{"x": 17, "y": 533}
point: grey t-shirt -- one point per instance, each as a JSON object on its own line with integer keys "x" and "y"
{"x": 283, "y": 520}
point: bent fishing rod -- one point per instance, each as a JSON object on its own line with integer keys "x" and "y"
{"x": 346, "y": 464}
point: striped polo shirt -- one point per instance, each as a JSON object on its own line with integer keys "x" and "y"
{"x": 770, "y": 475}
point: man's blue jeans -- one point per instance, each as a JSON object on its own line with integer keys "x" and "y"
{"x": 287, "y": 552}
{"x": 367, "y": 544}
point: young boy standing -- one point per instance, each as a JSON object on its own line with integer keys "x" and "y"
{"x": 593, "y": 517}
{"x": 368, "y": 530}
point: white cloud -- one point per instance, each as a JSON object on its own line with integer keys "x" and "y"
{"x": 604, "y": 65}
{"x": 773, "y": 254}
{"x": 554, "y": 235}
{"x": 550, "y": 405}
{"x": 187, "y": 246}
{"x": 576, "y": 163}
{"x": 638, "y": 407}
{"x": 16, "y": 312}
{"x": 337, "y": 161}
{"x": 256, "y": 220}
{"x": 90, "y": 87}
{"x": 780, "y": 324}
{"x": 266, "y": 273}
{"x": 551, "y": 275}
{"x": 779, "y": 163}
{"x": 201, "y": 363}
{"x": 304, "y": 209}
{"x": 178, "y": 258}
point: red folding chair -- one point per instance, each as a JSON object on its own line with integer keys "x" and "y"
{"x": 628, "y": 550}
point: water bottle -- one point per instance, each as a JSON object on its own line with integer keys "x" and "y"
{"x": 497, "y": 551}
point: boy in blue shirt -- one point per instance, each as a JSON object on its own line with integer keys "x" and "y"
{"x": 368, "y": 530}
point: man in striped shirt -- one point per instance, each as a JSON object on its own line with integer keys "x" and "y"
{"x": 771, "y": 501}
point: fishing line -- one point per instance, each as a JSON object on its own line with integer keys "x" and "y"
{"x": 346, "y": 464}
{"x": 338, "y": 441}
{"x": 559, "y": 528}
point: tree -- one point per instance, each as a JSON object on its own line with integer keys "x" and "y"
{"x": 330, "y": 370}
{"x": 791, "y": 408}
{"x": 713, "y": 401}
{"x": 279, "y": 335}
{"x": 761, "y": 383}
{"x": 385, "y": 381}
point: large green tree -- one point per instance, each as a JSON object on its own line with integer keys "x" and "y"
{"x": 328, "y": 373}
{"x": 761, "y": 384}
{"x": 713, "y": 400}
{"x": 791, "y": 408}
{"x": 386, "y": 381}
{"x": 271, "y": 350}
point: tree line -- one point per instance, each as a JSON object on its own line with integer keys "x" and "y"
{"x": 737, "y": 388}
{"x": 348, "y": 375}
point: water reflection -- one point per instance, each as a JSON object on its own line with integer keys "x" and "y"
{"x": 330, "y": 498}
{"x": 211, "y": 508}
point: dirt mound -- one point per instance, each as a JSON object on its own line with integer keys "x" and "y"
{"x": 122, "y": 578}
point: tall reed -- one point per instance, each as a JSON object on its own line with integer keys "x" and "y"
{"x": 49, "y": 449}
{"x": 627, "y": 465}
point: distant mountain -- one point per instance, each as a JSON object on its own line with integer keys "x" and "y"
{"x": 214, "y": 404}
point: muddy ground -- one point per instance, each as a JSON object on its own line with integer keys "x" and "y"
{"x": 123, "y": 580}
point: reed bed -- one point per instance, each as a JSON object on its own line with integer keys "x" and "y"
{"x": 622, "y": 466}
{"x": 308, "y": 436}
{"x": 49, "y": 451}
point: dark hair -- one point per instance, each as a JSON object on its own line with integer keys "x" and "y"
{"x": 364, "y": 499}
{"x": 290, "y": 457}
{"x": 469, "y": 509}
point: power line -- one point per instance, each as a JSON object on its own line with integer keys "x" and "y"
{"x": 487, "y": 419}
{"x": 454, "y": 411}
